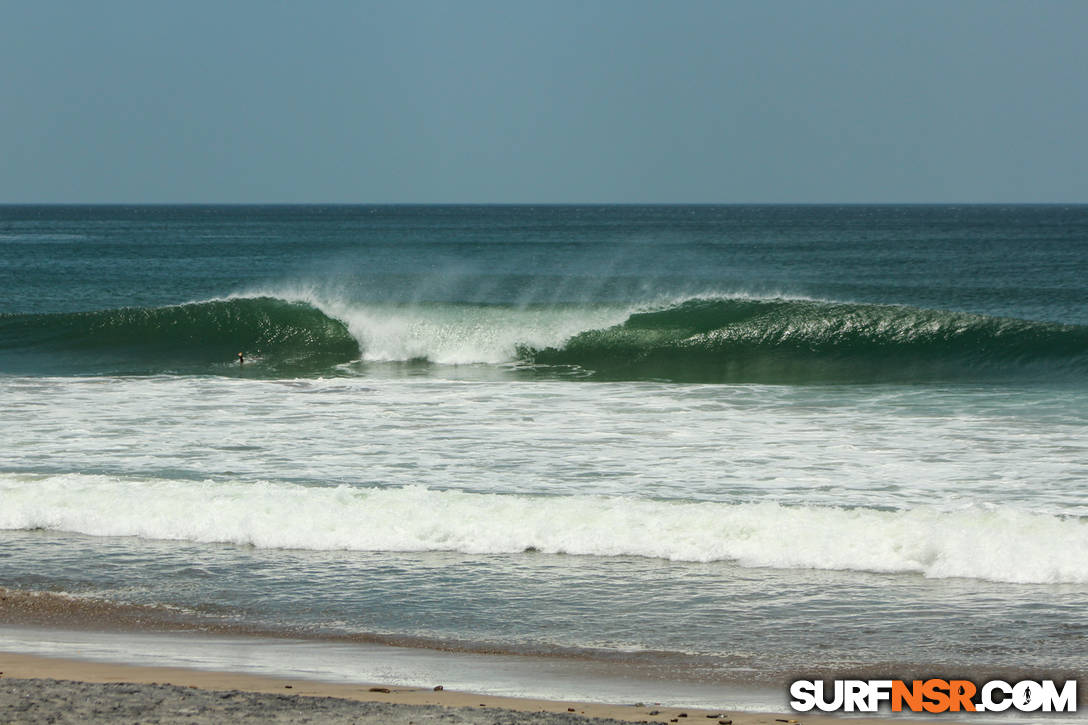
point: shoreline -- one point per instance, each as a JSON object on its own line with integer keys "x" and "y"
{"x": 53, "y": 638}
{"x": 318, "y": 668}
{"x": 46, "y": 636}
{"x": 28, "y": 673}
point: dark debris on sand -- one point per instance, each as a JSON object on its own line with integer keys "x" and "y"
{"x": 61, "y": 701}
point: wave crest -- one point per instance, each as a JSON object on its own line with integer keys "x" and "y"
{"x": 997, "y": 543}
{"x": 731, "y": 340}
{"x": 789, "y": 341}
{"x": 275, "y": 335}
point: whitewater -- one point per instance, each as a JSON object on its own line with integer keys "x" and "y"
{"x": 1005, "y": 541}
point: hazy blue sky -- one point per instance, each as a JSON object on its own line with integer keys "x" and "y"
{"x": 548, "y": 101}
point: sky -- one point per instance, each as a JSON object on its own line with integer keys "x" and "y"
{"x": 551, "y": 101}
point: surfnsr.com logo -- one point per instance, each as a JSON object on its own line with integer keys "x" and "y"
{"x": 933, "y": 695}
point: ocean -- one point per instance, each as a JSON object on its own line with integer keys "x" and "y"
{"x": 727, "y": 445}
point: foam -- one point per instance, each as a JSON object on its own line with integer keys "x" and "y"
{"x": 997, "y": 543}
{"x": 451, "y": 334}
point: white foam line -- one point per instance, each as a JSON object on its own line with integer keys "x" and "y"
{"x": 981, "y": 542}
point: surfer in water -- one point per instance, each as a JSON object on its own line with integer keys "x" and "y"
{"x": 241, "y": 360}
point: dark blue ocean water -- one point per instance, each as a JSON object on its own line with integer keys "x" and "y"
{"x": 1015, "y": 261}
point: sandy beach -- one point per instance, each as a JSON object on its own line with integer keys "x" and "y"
{"x": 44, "y": 689}
{"x": 74, "y": 682}
{"x": 39, "y": 688}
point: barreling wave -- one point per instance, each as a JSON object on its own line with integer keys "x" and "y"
{"x": 729, "y": 340}
{"x": 277, "y": 336}
{"x": 998, "y": 543}
{"x": 797, "y": 341}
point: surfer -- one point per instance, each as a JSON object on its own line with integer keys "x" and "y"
{"x": 241, "y": 360}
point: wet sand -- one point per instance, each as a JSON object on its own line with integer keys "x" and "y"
{"x": 44, "y": 689}
{"x": 63, "y": 701}
{"x": 58, "y": 688}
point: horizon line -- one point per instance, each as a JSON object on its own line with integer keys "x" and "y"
{"x": 538, "y": 203}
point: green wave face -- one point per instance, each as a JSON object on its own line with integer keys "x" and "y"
{"x": 702, "y": 340}
{"x": 792, "y": 341}
{"x": 277, "y": 338}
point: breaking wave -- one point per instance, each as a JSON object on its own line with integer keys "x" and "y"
{"x": 998, "y": 543}
{"x": 791, "y": 341}
{"x": 276, "y": 336}
{"x": 696, "y": 340}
